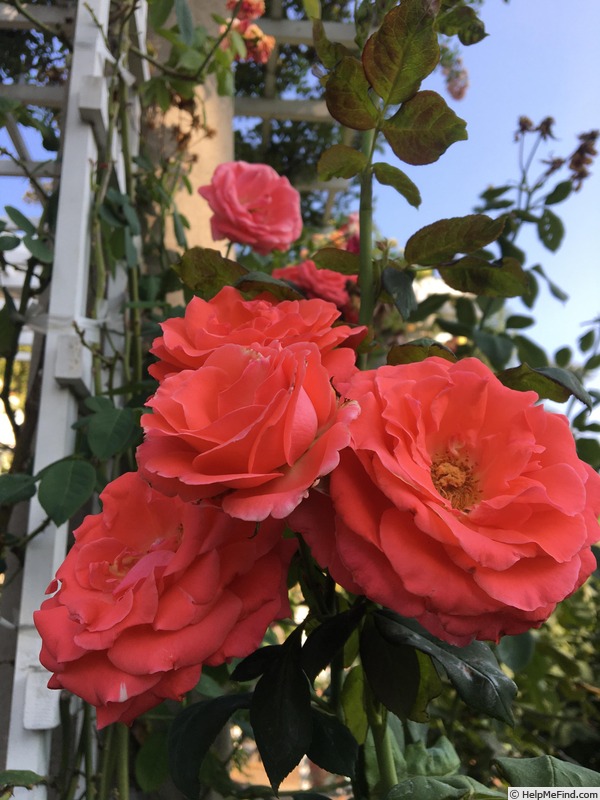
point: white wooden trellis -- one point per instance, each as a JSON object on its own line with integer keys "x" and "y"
{"x": 67, "y": 364}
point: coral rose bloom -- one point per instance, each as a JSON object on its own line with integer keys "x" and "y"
{"x": 460, "y": 502}
{"x": 152, "y": 589}
{"x": 253, "y": 205}
{"x": 259, "y": 424}
{"x": 324, "y": 283}
{"x": 249, "y": 9}
{"x": 227, "y": 318}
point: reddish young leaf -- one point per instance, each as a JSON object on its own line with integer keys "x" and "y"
{"x": 423, "y": 129}
{"x": 403, "y": 51}
{"x": 347, "y": 96}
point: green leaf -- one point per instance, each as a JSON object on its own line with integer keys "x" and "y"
{"x": 158, "y": 11}
{"x": 418, "y": 350}
{"x": 38, "y": 249}
{"x": 98, "y": 403}
{"x": 496, "y": 346}
{"x": 325, "y": 641}
{"x": 109, "y": 431}
{"x": 206, "y": 271}
{"x": 330, "y": 53}
{"x": 505, "y": 278}
{"x": 518, "y": 321}
{"x": 312, "y": 8}
{"x": 442, "y": 240}
{"x": 392, "y": 670}
{"x": 20, "y": 777}
{"x": 452, "y": 787}
{"x": 551, "y": 383}
{"x": 256, "y": 663}
{"x": 107, "y": 215}
{"x": 399, "y": 284}
{"x": 440, "y": 760}
{"x": 402, "y": 52}
{"x": 420, "y": 787}
{"x": 592, "y": 363}
{"x": 550, "y": 230}
{"x": 64, "y": 487}
{"x": 132, "y": 219}
{"x": 347, "y": 96}
{"x": 185, "y": 21}
{"x": 9, "y": 325}
{"x": 588, "y": 450}
{"x": 586, "y": 342}
{"x": 392, "y": 176}
{"x": 473, "y": 670}
{"x": 7, "y": 106}
{"x": 256, "y": 282}
{"x": 151, "y": 764}
{"x": 529, "y": 352}
{"x": 555, "y": 290}
{"x": 15, "y": 488}
{"x": 280, "y": 713}
{"x": 428, "y": 307}
{"x": 9, "y": 242}
{"x": 510, "y": 250}
{"x": 340, "y": 161}
{"x": 516, "y": 651}
{"x": 430, "y": 687}
{"x": 332, "y": 747}
{"x": 494, "y": 192}
{"x": 560, "y": 192}
{"x": 423, "y": 129}
{"x": 179, "y": 229}
{"x": 20, "y": 220}
{"x": 545, "y": 771}
{"x": 463, "y": 22}
{"x": 465, "y": 311}
{"x": 191, "y": 60}
{"x": 353, "y": 704}
{"x": 191, "y": 736}
{"x": 563, "y": 357}
{"x": 338, "y": 260}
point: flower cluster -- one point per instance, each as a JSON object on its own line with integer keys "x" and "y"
{"x": 257, "y": 44}
{"x": 430, "y": 488}
{"x": 175, "y": 572}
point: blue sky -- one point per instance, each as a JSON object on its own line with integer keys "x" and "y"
{"x": 541, "y": 58}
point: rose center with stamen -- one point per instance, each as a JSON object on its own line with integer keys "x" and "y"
{"x": 454, "y": 478}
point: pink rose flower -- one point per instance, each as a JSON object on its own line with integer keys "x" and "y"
{"x": 459, "y": 502}
{"x": 249, "y": 9}
{"x": 253, "y": 205}
{"x": 153, "y": 589}
{"x": 259, "y": 45}
{"x": 256, "y": 424}
{"x": 227, "y": 318}
{"x": 322, "y": 283}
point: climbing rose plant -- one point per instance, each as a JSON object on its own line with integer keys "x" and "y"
{"x": 419, "y": 508}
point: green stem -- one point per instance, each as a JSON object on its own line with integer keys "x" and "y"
{"x": 122, "y": 737}
{"x": 366, "y": 282}
{"x": 106, "y": 763}
{"x": 377, "y": 716}
{"x": 88, "y": 738}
